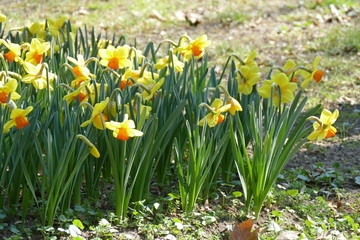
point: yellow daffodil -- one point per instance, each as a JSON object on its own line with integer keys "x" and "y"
{"x": 2, "y": 18}
{"x": 56, "y": 24}
{"x": 215, "y": 117}
{"x": 37, "y": 76}
{"x": 234, "y": 105}
{"x": 138, "y": 76}
{"x": 97, "y": 115}
{"x": 38, "y": 29}
{"x": 312, "y": 74}
{"x": 115, "y": 58}
{"x": 92, "y": 149}
{"x": 279, "y": 82}
{"x": 7, "y": 89}
{"x": 164, "y": 62}
{"x": 194, "y": 48}
{"x": 323, "y": 127}
{"x": 36, "y": 52}
{"x": 152, "y": 86}
{"x": 79, "y": 94}
{"x": 289, "y": 68}
{"x": 80, "y": 70}
{"x": 136, "y": 53}
{"x": 123, "y": 130}
{"x": 14, "y": 51}
{"x": 247, "y": 78}
{"x": 18, "y": 118}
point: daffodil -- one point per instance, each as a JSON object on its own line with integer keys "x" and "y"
{"x": 115, "y": 58}
{"x": 289, "y": 68}
{"x": 2, "y": 18}
{"x": 194, "y": 48}
{"x": 152, "y": 86}
{"x": 234, "y": 105}
{"x": 80, "y": 94}
{"x": 36, "y": 52}
{"x": 37, "y": 75}
{"x": 56, "y": 24}
{"x": 18, "y": 118}
{"x": 38, "y": 29}
{"x": 80, "y": 70}
{"x": 123, "y": 130}
{"x": 313, "y": 73}
{"x": 247, "y": 78}
{"x": 283, "y": 90}
{"x": 97, "y": 116}
{"x": 136, "y": 53}
{"x": 139, "y": 76}
{"x": 92, "y": 149}
{"x": 7, "y": 89}
{"x": 323, "y": 127}
{"x": 14, "y": 51}
{"x": 164, "y": 62}
{"x": 215, "y": 117}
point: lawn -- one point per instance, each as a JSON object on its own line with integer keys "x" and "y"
{"x": 316, "y": 195}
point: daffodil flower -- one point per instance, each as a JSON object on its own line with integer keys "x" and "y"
{"x": 37, "y": 76}
{"x": 115, "y": 58}
{"x": 215, "y": 117}
{"x": 247, "y": 78}
{"x": 92, "y": 149}
{"x": 194, "y": 48}
{"x": 123, "y": 130}
{"x": 97, "y": 116}
{"x": 80, "y": 70}
{"x": 139, "y": 76}
{"x": 234, "y": 105}
{"x": 152, "y": 86}
{"x": 2, "y": 18}
{"x": 7, "y": 89}
{"x": 56, "y": 24}
{"x": 323, "y": 127}
{"x": 312, "y": 74}
{"x": 14, "y": 51}
{"x": 18, "y": 118}
{"x": 79, "y": 94}
{"x": 38, "y": 29}
{"x": 164, "y": 62}
{"x": 37, "y": 50}
{"x": 279, "y": 82}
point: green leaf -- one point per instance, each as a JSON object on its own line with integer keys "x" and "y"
{"x": 292, "y": 192}
{"x": 78, "y": 223}
{"x": 237, "y": 194}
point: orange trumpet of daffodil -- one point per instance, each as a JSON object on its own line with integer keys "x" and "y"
{"x": 323, "y": 127}
{"x": 123, "y": 130}
{"x": 18, "y": 118}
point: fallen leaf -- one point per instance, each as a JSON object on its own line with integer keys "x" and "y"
{"x": 288, "y": 235}
{"x": 242, "y": 231}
